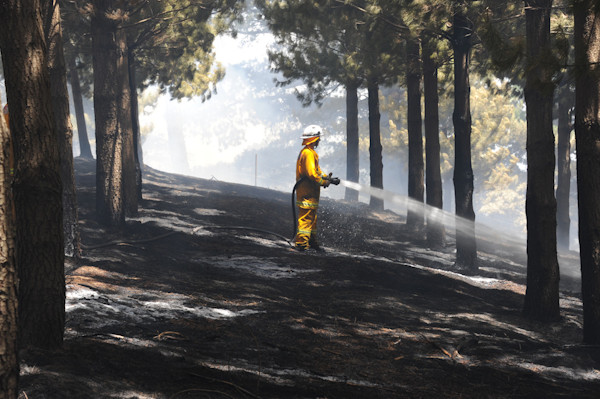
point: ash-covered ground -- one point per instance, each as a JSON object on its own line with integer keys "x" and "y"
{"x": 201, "y": 297}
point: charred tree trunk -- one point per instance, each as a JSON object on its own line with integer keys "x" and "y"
{"x": 37, "y": 184}
{"x": 541, "y": 298}
{"x": 563, "y": 182}
{"x": 416, "y": 183}
{"x": 62, "y": 118}
{"x": 85, "y": 150}
{"x": 130, "y": 197}
{"x": 375, "y": 149}
{"x": 109, "y": 142}
{"x": 135, "y": 125}
{"x": 433, "y": 177}
{"x": 352, "y": 153}
{"x": 587, "y": 136}
{"x": 9, "y": 365}
{"x": 466, "y": 245}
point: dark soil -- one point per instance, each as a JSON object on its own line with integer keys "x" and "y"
{"x": 201, "y": 297}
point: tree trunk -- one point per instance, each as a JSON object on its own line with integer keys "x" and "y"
{"x": 375, "y": 149}
{"x": 541, "y": 298}
{"x": 416, "y": 183}
{"x": 85, "y": 150}
{"x": 130, "y": 196}
{"x": 9, "y": 365}
{"x": 62, "y": 118}
{"x": 352, "y": 145}
{"x": 563, "y": 156}
{"x": 135, "y": 125}
{"x": 466, "y": 245}
{"x": 433, "y": 177}
{"x": 587, "y": 137}
{"x": 109, "y": 142}
{"x": 37, "y": 184}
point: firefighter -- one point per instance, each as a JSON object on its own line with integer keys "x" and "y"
{"x": 309, "y": 180}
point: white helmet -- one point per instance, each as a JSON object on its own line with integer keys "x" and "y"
{"x": 311, "y": 131}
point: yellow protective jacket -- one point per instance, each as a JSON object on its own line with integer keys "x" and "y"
{"x": 308, "y": 191}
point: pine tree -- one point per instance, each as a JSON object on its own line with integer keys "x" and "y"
{"x": 85, "y": 150}
{"x": 433, "y": 178}
{"x": 9, "y": 365}
{"x": 37, "y": 187}
{"x": 587, "y": 135}
{"x": 77, "y": 48}
{"x": 416, "y": 167}
{"x": 541, "y": 298}
{"x": 62, "y": 118}
{"x": 565, "y": 109}
{"x": 375, "y": 149}
{"x": 109, "y": 140}
{"x": 125, "y": 116}
{"x": 466, "y": 244}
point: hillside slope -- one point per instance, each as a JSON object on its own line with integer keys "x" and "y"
{"x": 201, "y": 297}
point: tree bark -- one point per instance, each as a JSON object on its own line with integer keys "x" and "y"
{"x": 587, "y": 137}
{"x": 375, "y": 149}
{"x": 433, "y": 178}
{"x": 37, "y": 184}
{"x": 109, "y": 184}
{"x": 416, "y": 183}
{"x": 466, "y": 245}
{"x": 352, "y": 141}
{"x": 9, "y": 365}
{"x": 85, "y": 150}
{"x": 135, "y": 125}
{"x": 563, "y": 182}
{"x": 541, "y": 298}
{"x": 62, "y": 118}
{"x": 130, "y": 197}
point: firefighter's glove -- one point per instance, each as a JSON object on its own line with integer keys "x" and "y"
{"x": 326, "y": 180}
{"x": 330, "y": 180}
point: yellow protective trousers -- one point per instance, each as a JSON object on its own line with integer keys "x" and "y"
{"x": 307, "y": 227}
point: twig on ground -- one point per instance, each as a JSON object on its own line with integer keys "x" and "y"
{"x": 242, "y": 390}
{"x": 170, "y": 335}
{"x": 438, "y": 346}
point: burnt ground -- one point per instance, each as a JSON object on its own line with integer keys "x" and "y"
{"x": 188, "y": 302}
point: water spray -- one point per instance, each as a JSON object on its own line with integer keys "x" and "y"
{"x": 399, "y": 202}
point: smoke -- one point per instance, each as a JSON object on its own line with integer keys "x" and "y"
{"x": 491, "y": 238}
{"x": 249, "y": 133}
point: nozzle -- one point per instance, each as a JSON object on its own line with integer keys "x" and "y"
{"x": 332, "y": 180}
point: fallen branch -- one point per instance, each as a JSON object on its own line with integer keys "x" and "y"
{"x": 438, "y": 346}
{"x": 170, "y": 335}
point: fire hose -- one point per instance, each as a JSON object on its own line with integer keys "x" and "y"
{"x": 332, "y": 180}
